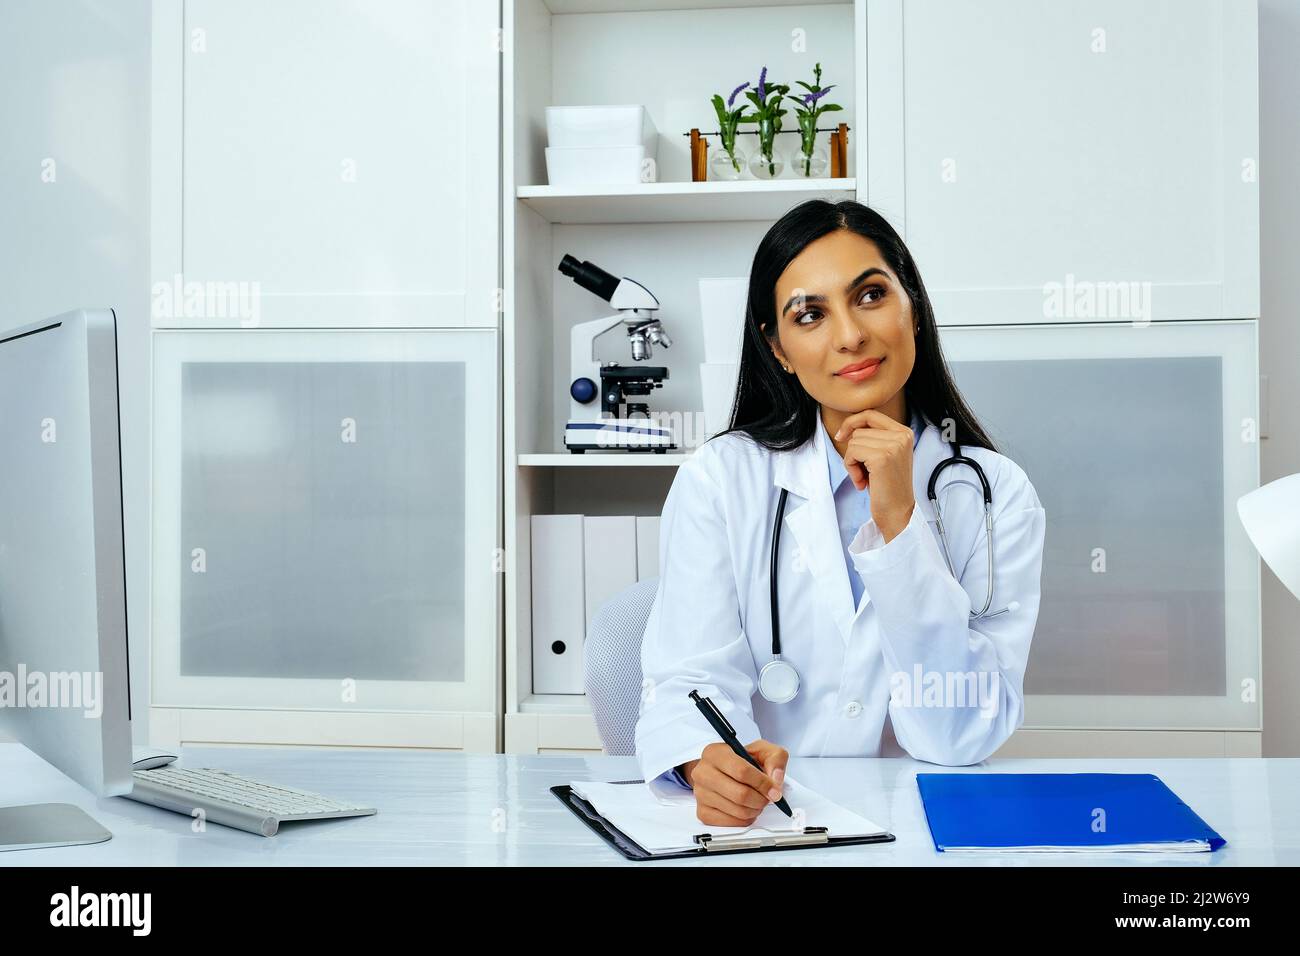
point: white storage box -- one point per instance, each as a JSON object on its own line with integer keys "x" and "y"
{"x": 594, "y": 165}
{"x": 568, "y": 127}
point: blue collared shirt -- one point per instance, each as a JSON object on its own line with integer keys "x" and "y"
{"x": 853, "y": 507}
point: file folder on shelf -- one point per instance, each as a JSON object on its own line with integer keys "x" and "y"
{"x": 669, "y": 830}
{"x": 1060, "y": 813}
{"x": 558, "y": 604}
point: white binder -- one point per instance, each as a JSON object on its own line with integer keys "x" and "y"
{"x": 610, "y": 558}
{"x": 647, "y": 548}
{"x": 559, "y": 619}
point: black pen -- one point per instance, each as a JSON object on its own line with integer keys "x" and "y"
{"x": 728, "y": 735}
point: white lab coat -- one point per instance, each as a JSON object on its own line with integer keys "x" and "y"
{"x": 899, "y": 667}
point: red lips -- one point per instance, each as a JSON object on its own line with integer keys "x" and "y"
{"x": 860, "y": 366}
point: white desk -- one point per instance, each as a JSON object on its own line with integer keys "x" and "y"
{"x": 485, "y": 810}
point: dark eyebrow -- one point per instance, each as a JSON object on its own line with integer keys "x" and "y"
{"x": 866, "y": 273}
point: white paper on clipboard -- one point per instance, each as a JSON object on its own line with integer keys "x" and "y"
{"x": 669, "y": 824}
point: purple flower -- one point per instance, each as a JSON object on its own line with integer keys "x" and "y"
{"x": 812, "y": 98}
{"x": 732, "y": 98}
{"x": 762, "y": 86}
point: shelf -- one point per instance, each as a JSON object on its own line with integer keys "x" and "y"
{"x": 567, "y": 704}
{"x": 645, "y": 6}
{"x": 601, "y": 459}
{"x": 746, "y": 200}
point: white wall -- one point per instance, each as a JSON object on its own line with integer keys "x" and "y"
{"x": 74, "y": 98}
{"x": 1279, "y": 344}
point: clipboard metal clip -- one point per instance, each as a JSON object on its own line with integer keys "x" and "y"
{"x": 763, "y": 839}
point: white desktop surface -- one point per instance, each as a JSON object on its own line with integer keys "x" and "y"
{"x": 494, "y": 810}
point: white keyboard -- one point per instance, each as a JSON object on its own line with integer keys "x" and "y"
{"x": 232, "y": 800}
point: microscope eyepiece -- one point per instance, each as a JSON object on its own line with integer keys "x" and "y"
{"x": 591, "y": 277}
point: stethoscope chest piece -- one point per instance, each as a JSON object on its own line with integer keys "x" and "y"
{"x": 778, "y": 681}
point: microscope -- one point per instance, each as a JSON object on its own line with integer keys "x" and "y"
{"x": 604, "y": 425}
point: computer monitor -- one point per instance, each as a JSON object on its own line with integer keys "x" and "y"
{"x": 64, "y": 683}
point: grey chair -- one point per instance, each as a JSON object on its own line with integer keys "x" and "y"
{"x": 613, "y": 663}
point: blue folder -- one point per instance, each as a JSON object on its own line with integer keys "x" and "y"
{"x": 1067, "y": 811}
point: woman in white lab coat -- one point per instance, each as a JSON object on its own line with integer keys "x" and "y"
{"x": 845, "y": 401}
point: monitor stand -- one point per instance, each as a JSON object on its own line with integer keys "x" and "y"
{"x": 40, "y": 825}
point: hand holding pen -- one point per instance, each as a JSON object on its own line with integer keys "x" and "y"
{"x": 731, "y": 787}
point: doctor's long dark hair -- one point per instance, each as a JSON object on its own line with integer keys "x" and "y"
{"x": 770, "y": 405}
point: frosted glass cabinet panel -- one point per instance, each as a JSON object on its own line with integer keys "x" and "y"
{"x": 340, "y": 156}
{"x": 1070, "y": 160}
{"x": 1139, "y": 441}
{"x": 325, "y": 520}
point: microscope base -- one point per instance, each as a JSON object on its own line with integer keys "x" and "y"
{"x": 617, "y": 434}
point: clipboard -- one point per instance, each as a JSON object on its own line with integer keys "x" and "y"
{"x": 810, "y": 838}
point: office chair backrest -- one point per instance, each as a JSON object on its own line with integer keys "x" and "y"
{"x": 613, "y": 664}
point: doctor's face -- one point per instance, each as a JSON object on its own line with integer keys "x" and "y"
{"x": 845, "y": 325}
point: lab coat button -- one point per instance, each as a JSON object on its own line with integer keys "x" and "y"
{"x": 853, "y": 709}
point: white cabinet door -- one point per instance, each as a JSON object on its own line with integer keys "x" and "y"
{"x": 1139, "y": 441}
{"x": 336, "y": 157}
{"x": 1071, "y": 160}
{"x": 325, "y": 521}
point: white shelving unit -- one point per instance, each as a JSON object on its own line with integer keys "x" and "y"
{"x": 1032, "y": 197}
{"x": 666, "y": 235}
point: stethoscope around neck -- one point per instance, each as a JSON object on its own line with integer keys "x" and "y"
{"x": 778, "y": 681}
